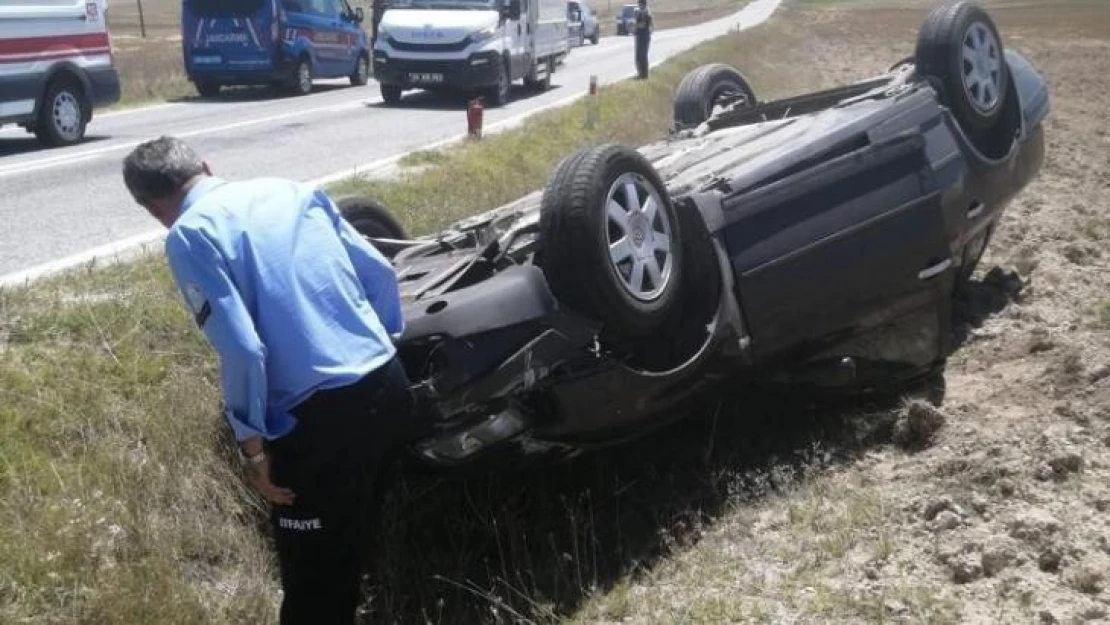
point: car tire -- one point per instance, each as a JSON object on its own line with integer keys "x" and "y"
{"x": 64, "y": 113}
{"x": 391, "y": 93}
{"x": 372, "y": 219}
{"x": 541, "y": 84}
{"x": 960, "y": 50}
{"x": 706, "y": 87}
{"x": 208, "y": 89}
{"x": 498, "y": 95}
{"x": 604, "y": 256}
{"x": 302, "y": 77}
{"x": 361, "y": 75}
{"x": 596, "y": 36}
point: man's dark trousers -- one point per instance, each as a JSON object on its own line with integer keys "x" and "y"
{"x": 643, "y": 40}
{"x": 335, "y": 462}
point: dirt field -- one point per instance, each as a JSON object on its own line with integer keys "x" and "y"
{"x": 1003, "y": 516}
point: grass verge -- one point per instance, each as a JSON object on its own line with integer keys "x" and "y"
{"x": 150, "y": 71}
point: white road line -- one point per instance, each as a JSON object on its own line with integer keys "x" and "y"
{"x": 97, "y": 116}
{"x": 148, "y": 108}
{"x": 115, "y": 249}
{"x": 130, "y": 246}
{"x": 69, "y": 159}
{"x": 138, "y": 109}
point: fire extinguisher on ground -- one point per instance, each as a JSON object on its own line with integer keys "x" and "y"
{"x": 474, "y": 118}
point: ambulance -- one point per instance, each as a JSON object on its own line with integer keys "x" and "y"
{"x": 56, "y": 66}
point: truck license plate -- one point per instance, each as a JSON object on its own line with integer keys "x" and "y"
{"x": 425, "y": 78}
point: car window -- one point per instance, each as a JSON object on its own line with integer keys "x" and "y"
{"x": 222, "y": 8}
{"x": 312, "y": 7}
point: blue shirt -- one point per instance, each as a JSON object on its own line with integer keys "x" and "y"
{"x": 290, "y": 295}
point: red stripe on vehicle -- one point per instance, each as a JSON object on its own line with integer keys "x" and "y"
{"x": 47, "y": 56}
{"x": 34, "y": 45}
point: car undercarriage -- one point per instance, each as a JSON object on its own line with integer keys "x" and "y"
{"x": 816, "y": 240}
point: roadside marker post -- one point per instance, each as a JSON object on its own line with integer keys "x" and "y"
{"x": 591, "y": 104}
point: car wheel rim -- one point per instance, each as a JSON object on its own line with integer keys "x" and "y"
{"x": 638, "y": 234}
{"x": 67, "y": 115}
{"x": 981, "y": 64}
{"x": 503, "y": 85}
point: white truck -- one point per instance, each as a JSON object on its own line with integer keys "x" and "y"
{"x": 55, "y": 67}
{"x": 471, "y": 46}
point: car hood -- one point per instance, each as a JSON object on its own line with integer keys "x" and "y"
{"x": 436, "y": 26}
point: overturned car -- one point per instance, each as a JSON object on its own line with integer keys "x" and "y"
{"x": 818, "y": 240}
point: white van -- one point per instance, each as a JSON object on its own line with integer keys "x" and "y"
{"x": 469, "y": 45}
{"x": 55, "y": 66}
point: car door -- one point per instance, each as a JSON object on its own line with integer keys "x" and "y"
{"x": 349, "y": 33}
{"x": 838, "y": 249}
{"x": 327, "y": 36}
{"x": 519, "y": 37}
{"x": 574, "y": 23}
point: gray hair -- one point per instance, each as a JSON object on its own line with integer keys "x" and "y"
{"x": 159, "y": 168}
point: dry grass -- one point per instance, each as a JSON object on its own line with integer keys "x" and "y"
{"x": 118, "y": 498}
{"x": 162, "y": 18}
{"x": 678, "y": 13}
{"x": 151, "y": 70}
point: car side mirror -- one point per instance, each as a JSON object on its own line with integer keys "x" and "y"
{"x": 360, "y": 15}
{"x": 512, "y": 9}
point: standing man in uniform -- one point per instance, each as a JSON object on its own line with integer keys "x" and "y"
{"x": 644, "y": 25}
{"x": 303, "y": 312}
{"x": 376, "y": 11}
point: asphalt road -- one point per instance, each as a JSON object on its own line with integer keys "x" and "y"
{"x": 65, "y": 206}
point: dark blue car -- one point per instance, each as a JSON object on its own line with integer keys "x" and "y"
{"x": 281, "y": 43}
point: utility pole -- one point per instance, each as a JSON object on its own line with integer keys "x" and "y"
{"x": 142, "y": 22}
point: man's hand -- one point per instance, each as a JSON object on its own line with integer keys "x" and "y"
{"x": 259, "y": 477}
{"x": 258, "y": 474}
